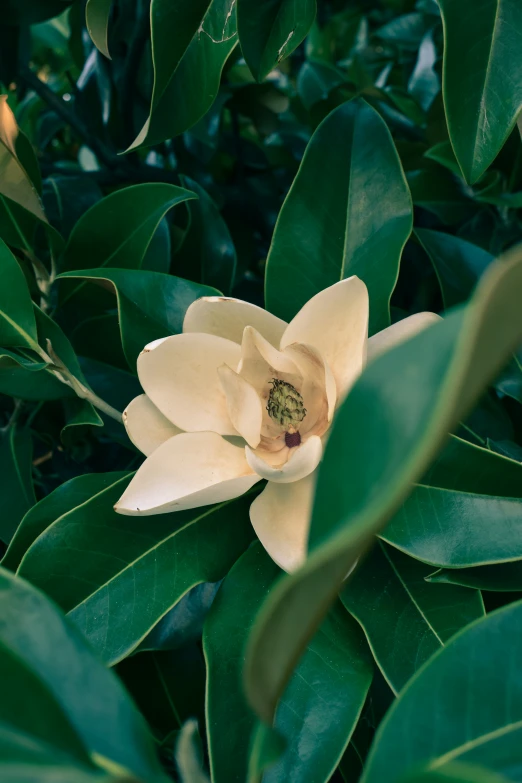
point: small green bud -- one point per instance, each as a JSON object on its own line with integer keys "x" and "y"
{"x": 285, "y": 405}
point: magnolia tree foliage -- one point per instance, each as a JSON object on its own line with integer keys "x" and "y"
{"x": 260, "y": 391}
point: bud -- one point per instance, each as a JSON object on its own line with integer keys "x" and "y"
{"x": 285, "y": 405}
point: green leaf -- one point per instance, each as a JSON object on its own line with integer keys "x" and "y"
{"x": 321, "y": 705}
{"x": 31, "y": 11}
{"x": 17, "y": 323}
{"x": 270, "y": 31}
{"x": 26, "y": 379}
{"x": 117, "y": 231}
{"x": 208, "y": 239}
{"x": 16, "y": 482}
{"x": 506, "y": 577}
{"x": 405, "y": 620}
{"x": 187, "y": 65}
{"x": 481, "y": 78}
{"x": 315, "y": 81}
{"x": 101, "y": 567}
{"x": 466, "y": 510}
{"x": 97, "y": 14}
{"x": 76, "y": 703}
{"x": 385, "y": 435}
{"x": 64, "y": 499}
{"x": 348, "y": 212}
{"x": 441, "y": 193}
{"x": 458, "y": 264}
{"x": 438, "y": 717}
{"x": 454, "y": 772}
{"x": 150, "y": 304}
{"x": 189, "y": 755}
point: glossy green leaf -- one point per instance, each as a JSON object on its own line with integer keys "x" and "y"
{"x": 16, "y": 482}
{"x": 76, "y": 703}
{"x": 97, "y": 14}
{"x": 459, "y": 264}
{"x": 424, "y": 83}
{"x": 150, "y": 304}
{"x": 117, "y": 231}
{"x": 67, "y": 198}
{"x": 506, "y": 577}
{"x": 453, "y": 772}
{"x": 405, "y": 619}
{"x": 25, "y": 379}
{"x": 466, "y": 510}
{"x": 439, "y": 717}
{"x": 348, "y": 212}
{"x": 207, "y": 240}
{"x": 108, "y": 597}
{"x": 439, "y": 192}
{"x": 270, "y": 31}
{"x": 315, "y": 81}
{"x": 481, "y": 79}
{"x": 409, "y": 421}
{"x": 321, "y": 705}
{"x": 64, "y": 499}
{"x": 187, "y": 70}
{"x": 189, "y": 755}
{"x": 17, "y": 324}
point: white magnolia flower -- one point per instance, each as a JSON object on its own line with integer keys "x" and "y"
{"x": 242, "y": 396}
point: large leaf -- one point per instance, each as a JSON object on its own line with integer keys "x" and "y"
{"x": 97, "y": 14}
{"x": 16, "y": 482}
{"x": 440, "y": 716}
{"x": 385, "y": 435}
{"x": 117, "y": 231}
{"x": 506, "y": 577}
{"x": 75, "y": 703}
{"x": 270, "y": 31}
{"x": 405, "y": 619}
{"x": 187, "y": 65}
{"x": 17, "y": 323}
{"x": 348, "y": 212}
{"x": 466, "y": 511}
{"x": 103, "y": 567}
{"x": 458, "y": 264}
{"x": 482, "y": 80}
{"x": 150, "y": 304}
{"x": 322, "y": 703}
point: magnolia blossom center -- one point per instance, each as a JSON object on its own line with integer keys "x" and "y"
{"x": 286, "y": 408}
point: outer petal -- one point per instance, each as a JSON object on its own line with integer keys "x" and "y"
{"x": 280, "y": 515}
{"x": 146, "y": 427}
{"x": 227, "y": 317}
{"x": 243, "y": 405}
{"x": 180, "y": 376}
{"x": 335, "y": 321}
{"x": 189, "y": 470}
{"x": 399, "y": 332}
{"x": 301, "y": 463}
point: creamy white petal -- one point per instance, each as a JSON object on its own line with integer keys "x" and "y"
{"x": 335, "y": 321}
{"x": 243, "y": 405}
{"x": 399, "y": 332}
{"x": 319, "y": 387}
{"x": 228, "y": 317}
{"x": 281, "y": 515}
{"x": 180, "y": 376}
{"x": 303, "y": 460}
{"x": 259, "y": 359}
{"x": 146, "y": 426}
{"x": 189, "y": 470}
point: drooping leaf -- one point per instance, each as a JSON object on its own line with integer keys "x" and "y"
{"x": 321, "y": 705}
{"x": 16, "y": 483}
{"x": 406, "y": 621}
{"x": 97, "y": 14}
{"x": 77, "y": 705}
{"x": 270, "y": 31}
{"x": 150, "y": 304}
{"x": 109, "y": 597}
{"x": 482, "y": 87}
{"x": 348, "y": 212}
{"x": 187, "y": 72}
{"x": 438, "y": 719}
{"x": 408, "y": 420}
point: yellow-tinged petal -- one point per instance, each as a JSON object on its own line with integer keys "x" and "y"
{"x": 319, "y": 385}
{"x": 302, "y": 461}
{"x": 146, "y": 427}
{"x": 280, "y": 515}
{"x": 243, "y": 405}
{"x": 335, "y": 321}
{"x": 179, "y": 374}
{"x": 228, "y": 317}
{"x": 189, "y": 470}
{"x": 399, "y": 332}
